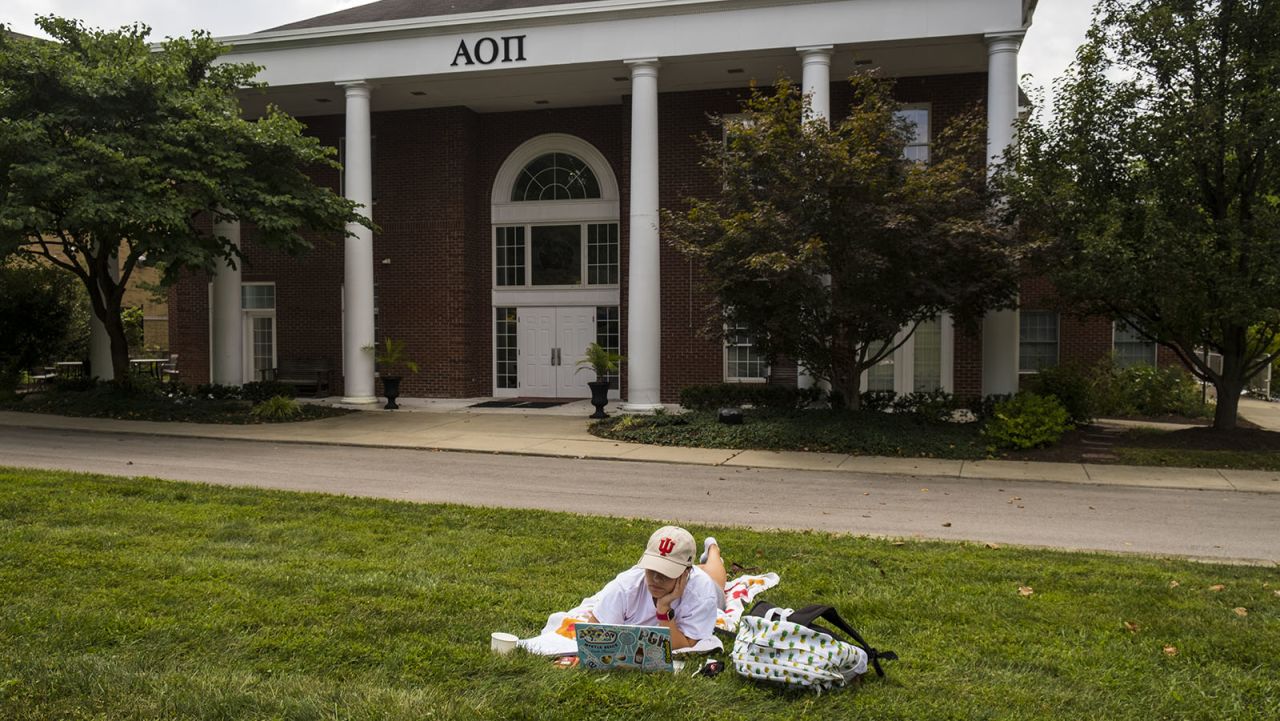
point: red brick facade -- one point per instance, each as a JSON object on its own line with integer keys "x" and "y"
{"x": 434, "y": 172}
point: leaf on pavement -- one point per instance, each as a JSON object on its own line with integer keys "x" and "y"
{"x": 947, "y": 524}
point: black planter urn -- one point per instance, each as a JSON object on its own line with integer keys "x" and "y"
{"x": 599, "y": 397}
{"x": 391, "y": 388}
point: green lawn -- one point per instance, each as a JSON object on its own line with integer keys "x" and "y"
{"x": 138, "y": 598}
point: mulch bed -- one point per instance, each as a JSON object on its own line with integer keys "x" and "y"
{"x": 1076, "y": 448}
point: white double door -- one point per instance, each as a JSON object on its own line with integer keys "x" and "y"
{"x": 551, "y": 342}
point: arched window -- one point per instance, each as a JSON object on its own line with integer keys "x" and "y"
{"x": 556, "y": 176}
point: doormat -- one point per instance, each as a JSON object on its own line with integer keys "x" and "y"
{"x": 519, "y": 404}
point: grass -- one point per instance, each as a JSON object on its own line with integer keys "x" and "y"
{"x": 131, "y": 598}
{"x": 853, "y": 432}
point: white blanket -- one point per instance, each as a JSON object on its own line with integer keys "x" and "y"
{"x": 558, "y": 637}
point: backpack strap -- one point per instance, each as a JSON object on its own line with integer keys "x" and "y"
{"x": 807, "y": 615}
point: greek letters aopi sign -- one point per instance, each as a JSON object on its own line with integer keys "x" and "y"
{"x": 486, "y": 51}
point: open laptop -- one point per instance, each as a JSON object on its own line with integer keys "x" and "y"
{"x": 607, "y": 646}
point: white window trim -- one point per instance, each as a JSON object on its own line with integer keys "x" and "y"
{"x": 527, "y": 281}
{"x": 928, "y": 130}
{"x": 493, "y": 352}
{"x": 724, "y": 364}
{"x": 904, "y": 360}
{"x": 1057, "y": 343}
{"x": 1155, "y": 347}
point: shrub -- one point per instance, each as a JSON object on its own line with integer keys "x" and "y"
{"x": 1028, "y": 421}
{"x": 1144, "y": 391}
{"x": 259, "y": 391}
{"x": 713, "y": 396}
{"x": 876, "y": 401}
{"x": 934, "y": 406}
{"x": 216, "y": 392}
{"x": 1069, "y": 383}
{"x": 278, "y": 408}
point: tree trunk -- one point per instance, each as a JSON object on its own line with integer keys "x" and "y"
{"x": 846, "y": 382}
{"x": 1224, "y": 416}
{"x": 119, "y": 342}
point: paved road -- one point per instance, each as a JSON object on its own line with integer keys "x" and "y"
{"x": 1230, "y": 525}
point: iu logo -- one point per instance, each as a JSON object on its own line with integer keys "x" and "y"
{"x": 666, "y": 546}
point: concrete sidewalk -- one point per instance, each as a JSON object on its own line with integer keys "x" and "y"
{"x": 557, "y": 435}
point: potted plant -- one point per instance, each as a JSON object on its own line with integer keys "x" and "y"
{"x": 392, "y": 363}
{"x": 604, "y": 362}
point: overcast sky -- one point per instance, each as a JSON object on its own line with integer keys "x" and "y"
{"x": 1049, "y": 47}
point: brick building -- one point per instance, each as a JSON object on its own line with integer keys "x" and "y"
{"x": 516, "y": 154}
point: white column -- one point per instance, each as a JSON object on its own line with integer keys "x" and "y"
{"x": 1000, "y": 329}
{"x": 644, "y": 307}
{"x": 357, "y": 305}
{"x": 100, "y": 363}
{"x": 228, "y": 313}
{"x": 816, "y": 85}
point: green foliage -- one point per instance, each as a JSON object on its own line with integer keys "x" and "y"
{"x": 831, "y": 431}
{"x": 601, "y": 360}
{"x": 259, "y": 391}
{"x": 108, "y": 148}
{"x": 801, "y": 202}
{"x": 392, "y": 358}
{"x": 934, "y": 406}
{"x": 132, "y": 318}
{"x": 876, "y": 401}
{"x": 277, "y": 408}
{"x": 202, "y": 602}
{"x": 1071, "y": 384}
{"x": 1027, "y": 421}
{"x": 1151, "y": 190}
{"x": 39, "y": 316}
{"x": 147, "y": 400}
{"x": 1144, "y": 390}
{"x": 712, "y": 396}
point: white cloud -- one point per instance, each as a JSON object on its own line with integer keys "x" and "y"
{"x": 1050, "y": 45}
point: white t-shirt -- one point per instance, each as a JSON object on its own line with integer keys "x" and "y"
{"x": 626, "y": 600}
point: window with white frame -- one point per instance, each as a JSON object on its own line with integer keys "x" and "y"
{"x": 1131, "y": 348}
{"x": 258, "y": 303}
{"x": 552, "y": 255}
{"x": 927, "y": 361}
{"x": 880, "y": 377}
{"x": 507, "y": 355}
{"x": 742, "y": 362}
{"x": 609, "y": 336}
{"x": 918, "y": 116}
{"x": 1037, "y": 340}
{"x": 556, "y": 176}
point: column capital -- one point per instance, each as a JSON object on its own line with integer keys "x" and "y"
{"x": 355, "y": 87}
{"x": 644, "y": 67}
{"x": 1004, "y": 42}
{"x": 816, "y": 53}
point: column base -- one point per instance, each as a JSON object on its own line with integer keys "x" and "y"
{"x": 640, "y": 407}
{"x": 359, "y": 400}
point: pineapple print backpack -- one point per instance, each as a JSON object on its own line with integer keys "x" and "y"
{"x": 790, "y": 648}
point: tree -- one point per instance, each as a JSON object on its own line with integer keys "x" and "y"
{"x": 40, "y": 319}
{"x": 112, "y": 152}
{"x": 1153, "y": 190}
{"x": 825, "y": 242}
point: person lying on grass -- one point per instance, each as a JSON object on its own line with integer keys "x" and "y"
{"x": 665, "y": 588}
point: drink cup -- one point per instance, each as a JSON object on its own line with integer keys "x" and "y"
{"x": 502, "y": 643}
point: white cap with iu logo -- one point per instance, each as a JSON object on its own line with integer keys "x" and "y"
{"x": 670, "y": 551}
